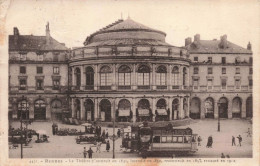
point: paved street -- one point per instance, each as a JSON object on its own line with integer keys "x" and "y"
{"x": 66, "y": 147}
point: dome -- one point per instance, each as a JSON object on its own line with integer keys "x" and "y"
{"x": 126, "y": 32}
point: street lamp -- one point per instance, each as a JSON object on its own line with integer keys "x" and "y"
{"x": 219, "y": 104}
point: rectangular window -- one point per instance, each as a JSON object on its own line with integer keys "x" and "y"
{"x": 223, "y": 60}
{"x": 195, "y": 70}
{"x": 209, "y": 59}
{"x": 251, "y": 60}
{"x": 124, "y": 78}
{"x": 56, "y": 84}
{"x": 163, "y": 139}
{"x": 250, "y": 83}
{"x": 143, "y": 78}
{"x": 56, "y": 70}
{"x": 196, "y": 59}
{"x": 40, "y": 57}
{"x": 23, "y": 84}
{"x": 195, "y": 83}
{"x": 39, "y": 84}
{"x": 175, "y": 77}
{"x": 169, "y": 139}
{"x": 237, "y": 70}
{"x": 224, "y": 70}
{"x": 237, "y": 84}
{"x": 210, "y": 83}
{"x": 250, "y": 70}
{"x": 39, "y": 70}
{"x": 180, "y": 139}
{"x": 105, "y": 79}
{"x": 22, "y": 70}
{"x": 210, "y": 71}
{"x": 223, "y": 83}
{"x": 156, "y": 139}
{"x": 160, "y": 78}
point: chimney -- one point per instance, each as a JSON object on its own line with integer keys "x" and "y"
{"x": 48, "y": 36}
{"x": 187, "y": 41}
{"x": 197, "y": 38}
{"x": 16, "y": 35}
{"x": 223, "y": 42}
{"x": 249, "y": 46}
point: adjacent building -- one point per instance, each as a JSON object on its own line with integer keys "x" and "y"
{"x": 38, "y": 76}
{"x": 128, "y": 71}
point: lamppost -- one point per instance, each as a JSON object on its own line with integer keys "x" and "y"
{"x": 219, "y": 104}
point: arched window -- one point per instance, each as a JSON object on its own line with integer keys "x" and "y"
{"x": 105, "y": 76}
{"x": 143, "y": 75}
{"x": 161, "y": 73}
{"x": 78, "y": 78}
{"x": 175, "y": 77}
{"x": 184, "y": 76}
{"x": 89, "y": 78}
{"x": 124, "y": 75}
{"x": 161, "y": 104}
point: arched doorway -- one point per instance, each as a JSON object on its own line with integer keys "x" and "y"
{"x": 209, "y": 108}
{"x": 78, "y": 78}
{"x": 144, "y": 112}
{"x": 77, "y": 108}
{"x": 195, "y": 108}
{"x": 89, "y": 110}
{"x": 56, "y": 110}
{"x": 175, "y": 109}
{"x": 161, "y": 112}
{"x": 236, "y": 107}
{"x": 105, "y": 110}
{"x": 249, "y": 107}
{"x": 185, "y": 107}
{"x": 23, "y": 109}
{"x": 124, "y": 111}
{"x": 39, "y": 110}
{"x": 89, "y": 78}
{"x": 223, "y": 108}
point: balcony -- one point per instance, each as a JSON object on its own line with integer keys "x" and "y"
{"x": 125, "y": 87}
{"x": 105, "y": 87}
{"x": 161, "y": 87}
{"x": 89, "y": 87}
{"x": 175, "y": 87}
{"x": 143, "y": 87}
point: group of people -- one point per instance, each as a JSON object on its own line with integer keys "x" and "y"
{"x": 239, "y": 140}
{"x": 98, "y": 145}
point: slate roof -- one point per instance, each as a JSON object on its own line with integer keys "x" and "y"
{"x": 212, "y": 47}
{"x": 34, "y": 43}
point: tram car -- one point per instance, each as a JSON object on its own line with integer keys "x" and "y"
{"x": 160, "y": 139}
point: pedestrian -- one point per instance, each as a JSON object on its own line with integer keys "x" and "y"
{"x": 239, "y": 140}
{"x": 98, "y": 146}
{"x": 103, "y": 134}
{"x": 249, "y": 133}
{"x": 118, "y": 132}
{"x": 99, "y": 130}
{"x": 222, "y": 155}
{"x": 90, "y": 152}
{"x": 85, "y": 152}
{"x": 227, "y": 156}
{"x": 210, "y": 142}
{"x": 199, "y": 140}
{"x": 107, "y": 146}
{"x": 233, "y": 141}
{"x": 53, "y": 129}
{"x": 107, "y": 135}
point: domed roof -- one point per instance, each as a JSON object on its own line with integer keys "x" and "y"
{"x": 125, "y": 29}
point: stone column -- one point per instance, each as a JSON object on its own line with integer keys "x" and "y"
{"x": 72, "y": 107}
{"x": 96, "y": 108}
{"x": 96, "y": 78}
{"x": 48, "y": 108}
{"x": 114, "y": 84}
{"x": 134, "y": 78}
{"x": 153, "y": 79}
{"x": 113, "y": 104}
{"x": 82, "y": 109}
{"x": 170, "y": 107}
{"x": 202, "y": 108}
{"x": 169, "y": 77}
{"x": 83, "y": 78}
{"x": 153, "y": 107}
{"x": 188, "y": 107}
{"x": 181, "y": 77}
{"x": 216, "y": 109}
{"x": 31, "y": 108}
{"x": 73, "y": 77}
{"x": 181, "y": 114}
{"x": 243, "y": 108}
{"x": 134, "y": 109}
{"x": 229, "y": 108}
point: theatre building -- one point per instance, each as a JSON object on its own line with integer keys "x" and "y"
{"x": 129, "y": 72}
{"x": 221, "y": 78}
{"x": 38, "y": 81}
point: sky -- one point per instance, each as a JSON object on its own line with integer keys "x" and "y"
{"x": 72, "y": 21}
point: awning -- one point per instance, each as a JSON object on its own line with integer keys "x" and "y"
{"x": 125, "y": 112}
{"x": 143, "y": 112}
{"x": 161, "y": 111}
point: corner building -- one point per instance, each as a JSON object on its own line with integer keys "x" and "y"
{"x": 127, "y": 71}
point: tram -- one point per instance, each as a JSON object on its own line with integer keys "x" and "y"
{"x": 160, "y": 139}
